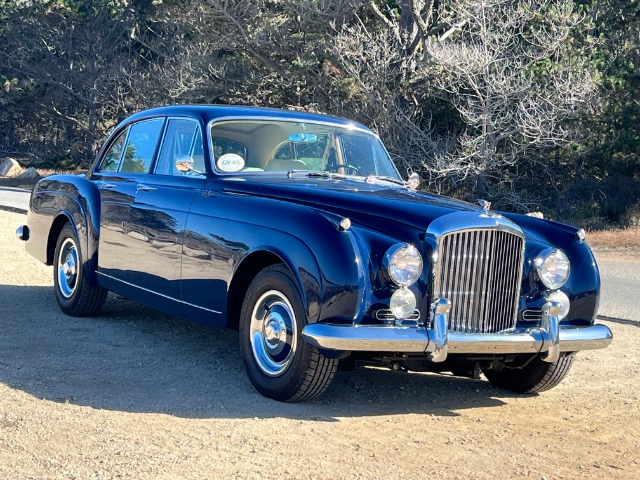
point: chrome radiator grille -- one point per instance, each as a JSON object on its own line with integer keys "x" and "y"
{"x": 480, "y": 271}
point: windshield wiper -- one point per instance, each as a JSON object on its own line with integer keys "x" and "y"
{"x": 313, "y": 173}
{"x": 378, "y": 179}
{"x": 383, "y": 179}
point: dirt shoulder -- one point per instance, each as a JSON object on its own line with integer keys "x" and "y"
{"x": 624, "y": 242}
{"x": 138, "y": 394}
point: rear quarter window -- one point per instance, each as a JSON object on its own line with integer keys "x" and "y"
{"x": 111, "y": 159}
{"x": 141, "y": 146}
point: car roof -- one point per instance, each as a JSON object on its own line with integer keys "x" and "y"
{"x": 213, "y": 112}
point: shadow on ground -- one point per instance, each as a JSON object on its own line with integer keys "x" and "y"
{"x": 135, "y": 359}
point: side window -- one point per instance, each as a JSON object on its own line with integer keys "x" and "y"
{"x": 178, "y": 140}
{"x": 111, "y": 159}
{"x": 197, "y": 153}
{"x": 141, "y": 145}
{"x": 357, "y": 151}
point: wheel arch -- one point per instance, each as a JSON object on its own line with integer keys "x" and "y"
{"x": 54, "y": 232}
{"x": 250, "y": 266}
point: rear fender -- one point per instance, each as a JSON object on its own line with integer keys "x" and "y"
{"x": 55, "y": 201}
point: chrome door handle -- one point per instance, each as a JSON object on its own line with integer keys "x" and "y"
{"x": 145, "y": 188}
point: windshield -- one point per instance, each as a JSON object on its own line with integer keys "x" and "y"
{"x": 285, "y": 146}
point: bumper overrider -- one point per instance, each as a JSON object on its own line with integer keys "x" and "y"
{"x": 548, "y": 340}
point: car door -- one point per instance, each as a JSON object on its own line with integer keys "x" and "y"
{"x": 128, "y": 158}
{"x": 160, "y": 207}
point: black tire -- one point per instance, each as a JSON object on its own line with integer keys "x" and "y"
{"x": 279, "y": 363}
{"x": 74, "y": 294}
{"x": 536, "y": 376}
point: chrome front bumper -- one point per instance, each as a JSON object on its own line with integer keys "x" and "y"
{"x": 548, "y": 340}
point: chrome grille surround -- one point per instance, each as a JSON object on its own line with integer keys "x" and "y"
{"x": 478, "y": 267}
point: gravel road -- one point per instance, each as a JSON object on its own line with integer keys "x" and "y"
{"x": 16, "y": 199}
{"x": 138, "y": 394}
{"x": 620, "y": 295}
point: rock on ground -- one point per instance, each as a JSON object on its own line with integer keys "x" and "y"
{"x": 29, "y": 173}
{"x": 9, "y": 167}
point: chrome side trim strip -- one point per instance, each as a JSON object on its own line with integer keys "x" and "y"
{"x": 159, "y": 294}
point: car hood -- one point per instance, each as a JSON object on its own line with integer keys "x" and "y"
{"x": 364, "y": 202}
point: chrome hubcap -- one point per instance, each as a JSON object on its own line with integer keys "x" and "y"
{"x": 68, "y": 268}
{"x": 273, "y": 333}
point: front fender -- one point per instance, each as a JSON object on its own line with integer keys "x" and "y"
{"x": 323, "y": 260}
{"x": 229, "y": 238}
{"x": 583, "y": 285}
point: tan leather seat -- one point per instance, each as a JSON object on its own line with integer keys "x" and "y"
{"x": 282, "y": 165}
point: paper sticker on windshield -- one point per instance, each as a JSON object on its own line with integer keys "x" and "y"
{"x": 230, "y": 162}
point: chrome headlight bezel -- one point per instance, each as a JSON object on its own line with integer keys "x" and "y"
{"x": 553, "y": 268}
{"x": 403, "y": 264}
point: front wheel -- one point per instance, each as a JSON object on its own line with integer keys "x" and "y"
{"x": 279, "y": 363}
{"x": 533, "y": 376}
{"x": 75, "y": 295}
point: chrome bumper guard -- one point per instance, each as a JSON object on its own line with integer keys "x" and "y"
{"x": 548, "y": 340}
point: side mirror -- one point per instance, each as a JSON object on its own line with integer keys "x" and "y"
{"x": 184, "y": 163}
{"x": 414, "y": 181}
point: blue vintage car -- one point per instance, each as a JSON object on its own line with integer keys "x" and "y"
{"x": 296, "y": 230}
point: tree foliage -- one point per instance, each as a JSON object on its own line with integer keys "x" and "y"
{"x": 532, "y": 103}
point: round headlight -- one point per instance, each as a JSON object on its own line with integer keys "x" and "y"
{"x": 564, "y": 302}
{"x": 404, "y": 264}
{"x": 402, "y": 303}
{"x": 553, "y": 268}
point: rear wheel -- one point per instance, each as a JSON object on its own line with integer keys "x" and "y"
{"x": 534, "y": 376}
{"x": 279, "y": 363}
{"x": 74, "y": 294}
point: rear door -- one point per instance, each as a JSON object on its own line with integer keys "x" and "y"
{"x": 160, "y": 208}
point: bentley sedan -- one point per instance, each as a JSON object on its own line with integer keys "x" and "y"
{"x": 296, "y": 230}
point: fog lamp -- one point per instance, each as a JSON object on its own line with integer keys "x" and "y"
{"x": 402, "y": 303}
{"x": 563, "y": 300}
